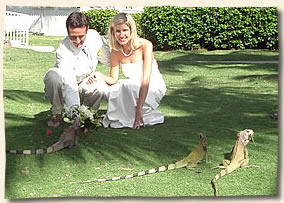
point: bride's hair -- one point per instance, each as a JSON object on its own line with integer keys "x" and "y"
{"x": 122, "y": 18}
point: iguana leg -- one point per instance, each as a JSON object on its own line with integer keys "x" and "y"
{"x": 191, "y": 166}
{"x": 224, "y": 165}
{"x": 244, "y": 164}
{"x": 76, "y": 140}
{"x": 226, "y": 162}
{"x": 205, "y": 160}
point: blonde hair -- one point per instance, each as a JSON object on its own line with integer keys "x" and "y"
{"x": 122, "y": 18}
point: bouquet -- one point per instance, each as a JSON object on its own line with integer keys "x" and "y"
{"x": 87, "y": 115}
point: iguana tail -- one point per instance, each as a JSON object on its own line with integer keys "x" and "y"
{"x": 178, "y": 164}
{"x": 142, "y": 173}
{"x": 68, "y": 138}
{"x": 230, "y": 168}
{"x": 196, "y": 155}
{"x": 214, "y": 181}
{"x": 53, "y": 148}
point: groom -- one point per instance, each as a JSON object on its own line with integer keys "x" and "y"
{"x": 71, "y": 81}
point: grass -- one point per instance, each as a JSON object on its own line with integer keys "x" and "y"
{"x": 216, "y": 99}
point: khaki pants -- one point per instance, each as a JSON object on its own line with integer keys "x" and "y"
{"x": 89, "y": 94}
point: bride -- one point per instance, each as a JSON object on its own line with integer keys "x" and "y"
{"x": 132, "y": 102}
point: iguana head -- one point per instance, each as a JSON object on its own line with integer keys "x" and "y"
{"x": 245, "y": 136}
{"x": 76, "y": 123}
{"x": 202, "y": 139}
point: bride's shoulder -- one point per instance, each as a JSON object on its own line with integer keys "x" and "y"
{"x": 142, "y": 43}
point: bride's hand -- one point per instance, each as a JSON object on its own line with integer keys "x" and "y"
{"x": 98, "y": 75}
{"x": 138, "y": 119}
{"x": 94, "y": 77}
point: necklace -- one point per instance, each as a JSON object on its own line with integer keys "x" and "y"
{"x": 126, "y": 55}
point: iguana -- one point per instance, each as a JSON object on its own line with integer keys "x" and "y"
{"x": 68, "y": 139}
{"x": 189, "y": 162}
{"x": 239, "y": 157}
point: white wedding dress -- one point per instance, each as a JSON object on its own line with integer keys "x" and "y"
{"x": 122, "y": 97}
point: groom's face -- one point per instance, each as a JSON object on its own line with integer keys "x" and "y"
{"x": 77, "y": 35}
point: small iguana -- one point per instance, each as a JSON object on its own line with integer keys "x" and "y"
{"x": 239, "y": 157}
{"x": 68, "y": 139}
{"x": 189, "y": 162}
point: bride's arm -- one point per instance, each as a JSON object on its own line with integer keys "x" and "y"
{"x": 114, "y": 70}
{"x": 147, "y": 70}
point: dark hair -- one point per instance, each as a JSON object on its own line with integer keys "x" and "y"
{"x": 77, "y": 19}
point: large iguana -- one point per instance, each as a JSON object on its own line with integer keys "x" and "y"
{"x": 239, "y": 157}
{"x": 189, "y": 162}
{"x": 68, "y": 139}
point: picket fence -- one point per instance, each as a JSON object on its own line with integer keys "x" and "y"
{"x": 16, "y": 31}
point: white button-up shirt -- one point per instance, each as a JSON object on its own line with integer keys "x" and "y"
{"x": 76, "y": 63}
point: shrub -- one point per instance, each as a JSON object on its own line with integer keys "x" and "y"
{"x": 167, "y": 27}
{"x": 137, "y": 17}
{"x": 238, "y": 28}
{"x": 212, "y": 28}
{"x": 100, "y": 19}
{"x": 170, "y": 27}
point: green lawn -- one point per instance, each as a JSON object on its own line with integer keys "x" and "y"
{"x": 215, "y": 99}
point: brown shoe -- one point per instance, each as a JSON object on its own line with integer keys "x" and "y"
{"x": 55, "y": 121}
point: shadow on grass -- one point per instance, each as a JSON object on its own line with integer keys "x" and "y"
{"x": 167, "y": 67}
{"x": 267, "y": 77}
{"x": 188, "y": 111}
{"x": 224, "y": 55}
{"x": 171, "y": 64}
{"x": 22, "y": 96}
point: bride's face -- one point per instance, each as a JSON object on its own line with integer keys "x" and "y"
{"x": 122, "y": 34}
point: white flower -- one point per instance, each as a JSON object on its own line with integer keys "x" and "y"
{"x": 84, "y": 113}
{"x": 82, "y": 108}
{"x": 89, "y": 114}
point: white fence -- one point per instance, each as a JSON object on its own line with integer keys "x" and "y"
{"x": 17, "y": 37}
{"x": 16, "y": 28}
{"x": 49, "y": 21}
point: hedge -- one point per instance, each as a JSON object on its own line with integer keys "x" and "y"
{"x": 211, "y": 28}
{"x": 170, "y": 27}
{"x": 99, "y": 19}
